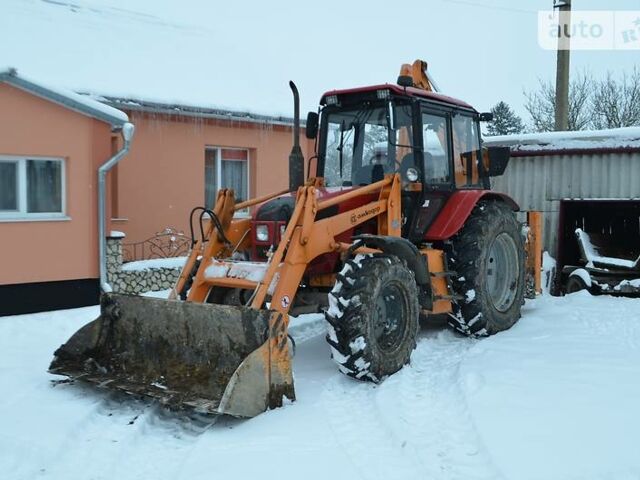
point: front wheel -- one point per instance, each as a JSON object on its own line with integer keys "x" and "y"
{"x": 488, "y": 256}
{"x": 373, "y": 317}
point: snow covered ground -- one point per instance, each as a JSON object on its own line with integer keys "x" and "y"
{"x": 556, "y": 397}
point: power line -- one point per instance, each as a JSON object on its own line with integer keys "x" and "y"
{"x": 473, "y": 3}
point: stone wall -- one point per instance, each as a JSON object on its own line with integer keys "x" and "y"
{"x": 143, "y": 278}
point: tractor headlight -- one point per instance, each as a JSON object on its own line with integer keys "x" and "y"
{"x": 262, "y": 233}
{"x": 412, "y": 174}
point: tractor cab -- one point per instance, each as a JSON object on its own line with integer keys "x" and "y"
{"x": 431, "y": 140}
{"x": 366, "y": 133}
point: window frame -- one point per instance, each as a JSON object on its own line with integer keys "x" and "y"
{"x": 21, "y": 214}
{"x": 469, "y": 185}
{"x": 358, "y": 149}
{"x": 218, "y": 172}
{"x": 446, "y": 113}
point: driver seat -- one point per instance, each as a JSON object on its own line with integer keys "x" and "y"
{"x": 368, "y": 174}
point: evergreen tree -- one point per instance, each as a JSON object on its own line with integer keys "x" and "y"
{"x": 505, "y": 121}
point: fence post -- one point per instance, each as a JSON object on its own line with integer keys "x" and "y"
{"x": 534, "y": 249}
{"x": 114, "y": 257}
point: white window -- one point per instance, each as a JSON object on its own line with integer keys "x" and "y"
{"x": 226, "y": 168}
{"x": 32, "y": 188}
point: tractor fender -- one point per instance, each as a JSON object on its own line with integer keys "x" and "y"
{"x": 401, "y": 248}
{"x": 457, "y": 210}
{"x": 583, "y": 274}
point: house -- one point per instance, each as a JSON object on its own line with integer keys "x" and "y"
{"x": 182, "y": 155}
{"x": 54, "y": 141}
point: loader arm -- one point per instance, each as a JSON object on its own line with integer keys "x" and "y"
{"x": 307, "y": 238}
{"x": 304, "y": 239}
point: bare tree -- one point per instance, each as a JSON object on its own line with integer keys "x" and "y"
{"x": 541, "y": 104}
{"x": 616, "y": 103}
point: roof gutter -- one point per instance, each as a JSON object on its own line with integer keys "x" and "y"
{"x": 127, "y": 135}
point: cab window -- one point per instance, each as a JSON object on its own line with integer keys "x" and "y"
{"x": 466, "y": 151}
{"x": 435, "y": 136}
{"x": 359, "y": 150}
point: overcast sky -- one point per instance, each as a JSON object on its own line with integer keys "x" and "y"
{"x": 240, "y": 54}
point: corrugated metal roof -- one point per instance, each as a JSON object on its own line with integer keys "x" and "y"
{"x": 615, "y": 140}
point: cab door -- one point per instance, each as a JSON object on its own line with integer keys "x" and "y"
{"x": 435, "y": 133}
{"x": 466, "y": 151}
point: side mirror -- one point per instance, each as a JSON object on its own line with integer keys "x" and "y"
{"x": 486, "y": 117}
{"x": 495, "y": 160}
{"x": 312, "y": 125}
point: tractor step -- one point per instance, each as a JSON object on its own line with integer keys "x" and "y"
{"x": 443, "y": 274}
{"x": 454, "y": 297}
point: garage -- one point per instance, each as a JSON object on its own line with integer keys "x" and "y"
{"x": 587, "y": 186}
{"x": 609, "y": 229}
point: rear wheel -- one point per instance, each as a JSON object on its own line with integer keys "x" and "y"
{"x": 373, "y": 317}
{"x": 488, "y": 256}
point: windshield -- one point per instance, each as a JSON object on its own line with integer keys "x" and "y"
{"x": 358, "y": 148}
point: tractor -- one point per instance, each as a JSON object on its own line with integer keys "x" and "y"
{"x": 394, "y": 221}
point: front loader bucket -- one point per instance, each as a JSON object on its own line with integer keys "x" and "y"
{"x": 209, "y": 358}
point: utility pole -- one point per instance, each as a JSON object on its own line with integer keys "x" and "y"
{"x": 564, "y": 59}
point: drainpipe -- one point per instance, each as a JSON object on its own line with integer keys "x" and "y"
{"x": 127, "y": 135}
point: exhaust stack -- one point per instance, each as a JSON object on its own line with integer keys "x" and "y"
{"x": 296, "y": 159}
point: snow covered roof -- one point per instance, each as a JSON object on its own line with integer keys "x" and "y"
{"x": 141, "y": 105}
{"x": 66, "y": 98}
{"x": 107, "y": 108}
{"x": 547, "y": 143}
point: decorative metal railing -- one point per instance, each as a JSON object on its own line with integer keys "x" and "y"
{"x": 166, "y": 244}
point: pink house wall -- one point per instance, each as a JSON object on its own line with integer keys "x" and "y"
{"x": 40, "y": 251}
{"x": 154, "y": 187}
{"x": 162, "y": 178}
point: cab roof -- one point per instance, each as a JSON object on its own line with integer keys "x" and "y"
{"x": 401, "y": 91}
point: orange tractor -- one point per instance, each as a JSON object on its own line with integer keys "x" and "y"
{"x": 395, "y": 221}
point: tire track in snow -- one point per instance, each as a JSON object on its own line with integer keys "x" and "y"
{"x": 434, "y": 413}
{"x": 372, "y": 446}
{"x": 112, "y": 428}
{"x": 99, "y": 430}
{"x": 416, "y": 424}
